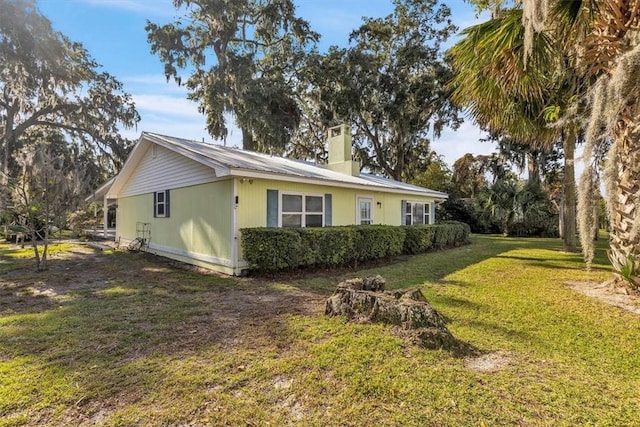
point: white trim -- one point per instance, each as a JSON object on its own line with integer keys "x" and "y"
{"x": 196, "y": 256}
{"x": 214, "y": 261}
{"x": 98, "y": 193}
{"x": 427, "y": 210}
{"x": 329, "y": 183}
{"x": 358, "y": 218}
{"x": 146, "y": 141}
{"x": 302, "y": 213}
{"x": 158, "y": 203}
{"x": 234, "y": 224}
{"x": 105, "y": 216}
{"x": 189, "y": 150}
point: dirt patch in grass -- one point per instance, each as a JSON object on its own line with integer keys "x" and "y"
{"x": 610, "y": 293}
{"x": 232, "y": 311}
{"x": 489, "y": 362}
{"x": 119, "y": 310}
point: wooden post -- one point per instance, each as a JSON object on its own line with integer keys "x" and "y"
{"x": 105, "y": 219}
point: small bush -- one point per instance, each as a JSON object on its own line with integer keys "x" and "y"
{"x": 450, "y": 234}
{"x": 460, "y": 230}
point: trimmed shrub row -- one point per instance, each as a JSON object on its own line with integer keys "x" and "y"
{"x": 273, "y": 249}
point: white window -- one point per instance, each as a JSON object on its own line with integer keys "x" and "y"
{"x": 161, "y": 204}
{"x": 302, "y": 210}
{"x": 365, "y": 211}
{"x": 417, "y": 213}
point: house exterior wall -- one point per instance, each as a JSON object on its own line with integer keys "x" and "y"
{"x": 161, "y": 168}
{"x": 198, "y": 230}
{"x": 252, "y": 204}
{"x": 252, "y": 197}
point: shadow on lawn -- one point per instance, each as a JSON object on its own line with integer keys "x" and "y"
{"x": 102, "y": 319}
{"x": 434, "y": 267}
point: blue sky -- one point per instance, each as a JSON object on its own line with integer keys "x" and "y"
{"x": 113, "y": 32}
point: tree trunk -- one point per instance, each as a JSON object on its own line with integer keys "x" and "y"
{"x": 248, "y": 143}
{"x": 36, "y": 252}
{"x": 7, "y": 145}
{"x": 365, "y": 300}
{"x": 4, "y": 174}
{"x": 533, "y": 168}
{"x": 624, "y": 242}
{"x": 569, "y": 200}
{"x": 561, "y": 220}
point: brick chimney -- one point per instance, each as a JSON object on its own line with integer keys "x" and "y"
{"x": 340, "y": 159}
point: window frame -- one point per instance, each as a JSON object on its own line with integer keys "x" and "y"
{"x": 303, "y": 213}
{"x": 426, "y": 213}
{"x": 164, "y": 204}
{"x": 359, "y": 212}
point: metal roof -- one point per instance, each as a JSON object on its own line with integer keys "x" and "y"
{"x": 230, "y": 161}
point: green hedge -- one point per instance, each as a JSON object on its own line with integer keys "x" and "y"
{"x": 274, "y": 249}
{"x": 377, "y": 241}
{"x": 419, "y": 238}
{"x": 450, "y": 233}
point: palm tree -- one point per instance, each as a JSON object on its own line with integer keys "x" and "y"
{"x": 509, "y": 93}
{"x": 608, "y": 35}
{"x": 500, "y": 202}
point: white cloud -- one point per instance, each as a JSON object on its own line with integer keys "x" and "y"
{"x": 454, "y": 144}
{"x": 166, "y": 105}
{"x": 165, "y": 109}
{"x": 159, "y": 80}
{"x": 155, "y": 8}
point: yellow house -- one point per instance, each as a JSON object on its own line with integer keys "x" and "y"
{"x": 189, "y": 200}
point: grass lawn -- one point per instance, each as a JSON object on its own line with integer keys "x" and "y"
{"x": 130, "y": 339}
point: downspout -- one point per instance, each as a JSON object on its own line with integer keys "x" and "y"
{"x": 234, "y": 227}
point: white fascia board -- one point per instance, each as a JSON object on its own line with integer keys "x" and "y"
{"x": 241, "y": 173}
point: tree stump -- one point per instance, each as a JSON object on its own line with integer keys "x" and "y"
{"x": 365, "y": 300}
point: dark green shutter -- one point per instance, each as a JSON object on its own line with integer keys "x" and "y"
{"x": 403, "y": 214}
{"x": 328, "y": 217}
{"x": 155, "y": 204}
{"x": 166, "y": 204}
{"x": 272, "y": 208}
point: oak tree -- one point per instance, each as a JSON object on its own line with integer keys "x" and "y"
{"x": 49, "y": 82}
{"x": 390, "y": 86}
{"x": 241, "y": 56}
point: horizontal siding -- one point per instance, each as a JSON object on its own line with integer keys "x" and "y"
{"x": 200, "y": 221}
{"x": 165, "y": 170}
{"x": 252, "y": 198}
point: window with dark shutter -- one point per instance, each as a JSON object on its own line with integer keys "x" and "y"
{"x": 161, "y": 204}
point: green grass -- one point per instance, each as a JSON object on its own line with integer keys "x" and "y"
{"x": 125, "y": 339}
